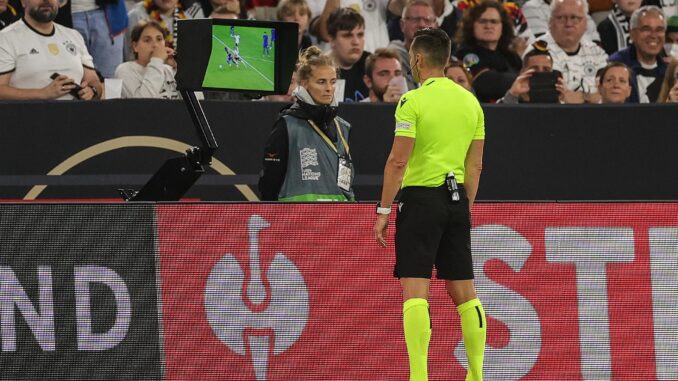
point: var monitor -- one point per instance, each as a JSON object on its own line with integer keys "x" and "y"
{"x": 236, "y": 55}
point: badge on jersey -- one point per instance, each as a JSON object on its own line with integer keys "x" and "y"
{"x": 70, "y": 47}
{"x": 345, "y": 174}
{"x": 369, "y": 5}
{"x": 53, "y": 48}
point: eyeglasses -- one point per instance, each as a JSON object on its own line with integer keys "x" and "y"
{"x": 648, "y": 29}
{"x": 563, "y": 19}
{"x": 417, "y": 20}
{"x": 488, "y": 21}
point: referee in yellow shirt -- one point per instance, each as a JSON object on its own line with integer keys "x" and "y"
{"x": 437, "y": 158}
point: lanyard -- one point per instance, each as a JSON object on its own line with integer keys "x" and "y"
{"x": 328, "y": 141}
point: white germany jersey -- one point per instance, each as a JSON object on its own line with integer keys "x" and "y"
{"x": 33, "y": 57}
{"x": 374, "y": 13}
{"x": 579, "y": 70}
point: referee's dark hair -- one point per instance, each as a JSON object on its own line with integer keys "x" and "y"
{"x": 433, "y": 43}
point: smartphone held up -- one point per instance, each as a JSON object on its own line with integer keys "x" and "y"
{"x": 543, "y": 87}
{"x": 74, "y": 92}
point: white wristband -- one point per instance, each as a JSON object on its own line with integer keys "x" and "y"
{"x": 385, "y": 211}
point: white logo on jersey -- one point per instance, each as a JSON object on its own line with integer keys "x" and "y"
{"x": 403, "y": 125}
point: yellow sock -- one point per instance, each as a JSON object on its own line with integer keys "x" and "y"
{"x": 417, "y": 325}
{"x": 474, "y": 328}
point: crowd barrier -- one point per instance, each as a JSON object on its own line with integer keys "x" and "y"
{"x": 256, "y": 291}
{"x": 83, "y": 150}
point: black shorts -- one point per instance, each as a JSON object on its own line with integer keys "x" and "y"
{"x": 431, "y": 230}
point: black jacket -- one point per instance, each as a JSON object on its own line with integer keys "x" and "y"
{"x": 493, "y": 70}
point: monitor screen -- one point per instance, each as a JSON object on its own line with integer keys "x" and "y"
{"x": 249, "y": 56}
{"x": 242, "y": 57}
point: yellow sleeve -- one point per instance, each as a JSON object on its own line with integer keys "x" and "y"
{"x": 480, "y": 125}
{"x": 406, "y": 116}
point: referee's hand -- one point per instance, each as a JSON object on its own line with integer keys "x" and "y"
{"x": 380, "y": 227}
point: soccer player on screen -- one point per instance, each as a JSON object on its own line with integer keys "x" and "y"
{"x": 236, "y": 56}
{"x": 272, "y": 37}
{"x": 237, "y": 40}
{"x": 230, "y": 58}
{"x": 232, "y": 31}
{"x": 267, "y": 48}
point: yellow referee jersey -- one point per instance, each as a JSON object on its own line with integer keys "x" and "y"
{"x": 444, "y": 118}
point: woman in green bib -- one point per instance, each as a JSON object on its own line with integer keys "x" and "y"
{"x": 307, "y": 155}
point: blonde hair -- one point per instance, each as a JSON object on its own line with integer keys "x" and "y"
{"x": 669, "y": 81}
{"x": 310, "y": 58}
{"x": 287, "y": 7}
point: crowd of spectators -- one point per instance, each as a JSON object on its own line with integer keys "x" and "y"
{"x": 602, "y": 51}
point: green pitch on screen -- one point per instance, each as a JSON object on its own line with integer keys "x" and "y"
{"x": 253, "y": 71}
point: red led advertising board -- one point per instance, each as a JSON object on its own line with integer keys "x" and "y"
{"x": 302, "y": 292}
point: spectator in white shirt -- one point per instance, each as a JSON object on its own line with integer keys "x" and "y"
{"x": 40, "y": 59}
{"x": 166, "y": 12}
{"x": 151, "y": 74}
{"x": 537, "y": 13}
{"x": 574, "y": 55}
{"x": 373, "y": 12}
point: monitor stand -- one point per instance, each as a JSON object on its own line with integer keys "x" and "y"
{"x": 177, "y": 175}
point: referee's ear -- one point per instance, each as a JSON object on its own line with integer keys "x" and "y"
{"x": 423, "y": 61}
{"x": 421, "y": 58}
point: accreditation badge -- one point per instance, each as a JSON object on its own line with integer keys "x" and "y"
{"x": 345, "y": 174}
